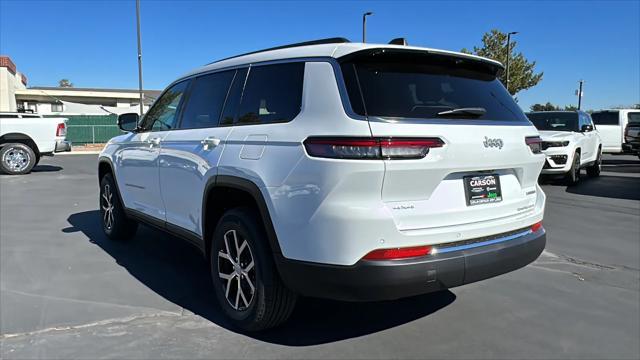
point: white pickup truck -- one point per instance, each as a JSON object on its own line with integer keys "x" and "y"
{"x": 612, "y": 125}
{"x": 25, "y": 138}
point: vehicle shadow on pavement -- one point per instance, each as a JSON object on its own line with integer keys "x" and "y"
{"x": 621, "y": 165}
{"x": 177, "y": 271}
{"x": 46, "y": 168}
{"x": 609, "y": 187}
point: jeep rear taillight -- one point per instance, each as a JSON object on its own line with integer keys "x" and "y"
{"x": 371, "y": 148}
{"x": 534, "y": 143}
{"x": 61, "y": 130}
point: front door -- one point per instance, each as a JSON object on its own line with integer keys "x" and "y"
{"x": 137, "y": 159}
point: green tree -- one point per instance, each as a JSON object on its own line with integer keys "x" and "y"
{"x": 65, "y": 83}
{"x": 570, "y": 108}
{"x": 544, "y": 107}
{"x": 521, "y": 71}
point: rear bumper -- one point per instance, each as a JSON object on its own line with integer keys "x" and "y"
{"x": 393, "y": 279}
{"x": 631, "y": 147}
{"x": 62, "y": 146}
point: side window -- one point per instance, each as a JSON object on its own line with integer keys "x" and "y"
{"x": 590, "y": 121}
{"x": 164, "y": 113}
{"x": 206, "y": 99}
{"x": 273, "y": 93}
{"x": 583, "y": 120}
{"x": 605, "y": 118}
{"x": 233, "y": 98}
{"x": 634, "y": 118}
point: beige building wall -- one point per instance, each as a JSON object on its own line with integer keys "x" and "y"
{"x": 10, "y": 81}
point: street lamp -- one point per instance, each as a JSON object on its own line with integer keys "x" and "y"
{"x": 579, "y": 93}
{"x": 364, "y": 25}
{"x": 139, "y": 56}
{"x": 509, "y": 54}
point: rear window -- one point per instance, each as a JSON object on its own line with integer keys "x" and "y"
{"x": 605, "y": 118}
{"x": 414, "y": 86}
{"x": 634, "y": 118}
{"x": 272, "y": 93}
{"x": 554, "y": 121}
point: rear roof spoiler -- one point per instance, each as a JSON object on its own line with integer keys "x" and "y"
{"x": 491, "y": 66}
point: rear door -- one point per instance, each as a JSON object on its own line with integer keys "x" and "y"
{"x": 402, "y": 97}
{"x": 608, "y": 125}
{"x": 189, "y": 156}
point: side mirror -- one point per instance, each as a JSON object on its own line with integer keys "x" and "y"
{"x": 586, "y": 128}
{"x": 128, "y": 122}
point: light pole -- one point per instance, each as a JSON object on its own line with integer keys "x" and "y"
{"x": 580, "y": 94}
{"x": 139, "y": 56}
{"x": 509, "y": 54}
{"x": 364, "y": 25}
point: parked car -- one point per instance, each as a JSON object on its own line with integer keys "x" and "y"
{"x": 570, "y": 142}
{"x": 632, "y": 138}
{"x": 333, "y": 169}
{"x": 25, "y": 138}
{"x": 611, "y": 125}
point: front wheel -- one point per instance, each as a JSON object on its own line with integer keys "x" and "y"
{"x": 595, "y": 169}
{"x": 115, "y": 223}
{"x": 17, "y": 159}
{"x": 246, "y": 282}
{"x": 573, "y": 177}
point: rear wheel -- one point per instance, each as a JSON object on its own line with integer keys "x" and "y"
{"x": 247, "y": 284}
{"x": 115, "y": 223}
{"x": 573, "y": 177}
{"x": 595, "y": 169}
{"x": 17, "y": 159}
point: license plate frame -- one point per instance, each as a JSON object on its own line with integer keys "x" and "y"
{"x": 482, "y": 189}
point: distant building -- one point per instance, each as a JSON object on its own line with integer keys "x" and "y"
{"x": 16, "y": 96}
{"x": 10, "y": 81}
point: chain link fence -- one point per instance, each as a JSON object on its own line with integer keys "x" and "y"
{"x": 91, "y": 129}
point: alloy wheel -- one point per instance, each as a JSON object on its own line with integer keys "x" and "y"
{"x": 16, "y": 159}
{"x": 107, "y": 207}
{"x": 236, "y": 271}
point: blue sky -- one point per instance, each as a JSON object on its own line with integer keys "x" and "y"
{"x": 93, "y": 43}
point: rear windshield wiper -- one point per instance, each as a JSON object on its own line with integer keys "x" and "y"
{"x": 470, "y": 112}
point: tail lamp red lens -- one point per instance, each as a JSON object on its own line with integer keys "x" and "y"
{"x": 371, "y": 148}
{"x": 61, "y": 130}
{"x": 398, "y": 253}
{"x": 534, "y": 143}
{"x": 537, "y": 226}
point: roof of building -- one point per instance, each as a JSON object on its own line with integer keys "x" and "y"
{"x": 335, "y": 49}
{"x": 152, "y": 93}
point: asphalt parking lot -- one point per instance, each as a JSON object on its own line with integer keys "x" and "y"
{"x": 68, "y": 292}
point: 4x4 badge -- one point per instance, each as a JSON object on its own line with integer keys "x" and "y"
{"x": 492, "y": 143}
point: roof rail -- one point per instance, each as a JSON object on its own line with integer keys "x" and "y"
{"x": 335, "y": 40}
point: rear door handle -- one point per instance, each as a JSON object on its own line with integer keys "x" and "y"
{"x": 210, "y": 142}
{"x": 155, "y": 141}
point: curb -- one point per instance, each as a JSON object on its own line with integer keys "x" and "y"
{"x": 79, "y": 152}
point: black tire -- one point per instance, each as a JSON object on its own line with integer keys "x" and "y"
{"x": 117, "y": 226}
{"x": 595, "y": 169}
{"x": 270, "y": 303}
{"x": 17, "y": 159}
{"x": 573, "y": 177}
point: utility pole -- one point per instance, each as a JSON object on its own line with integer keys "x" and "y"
{"x": 364, "y": 25}
{"x": 580, "y": 94}
{"x": 139, "y": 57}
{"x": 509, "y": 55}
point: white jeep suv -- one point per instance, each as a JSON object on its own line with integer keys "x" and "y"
{"x": 333, "y": 169}
{"x": 571, "y": 143}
